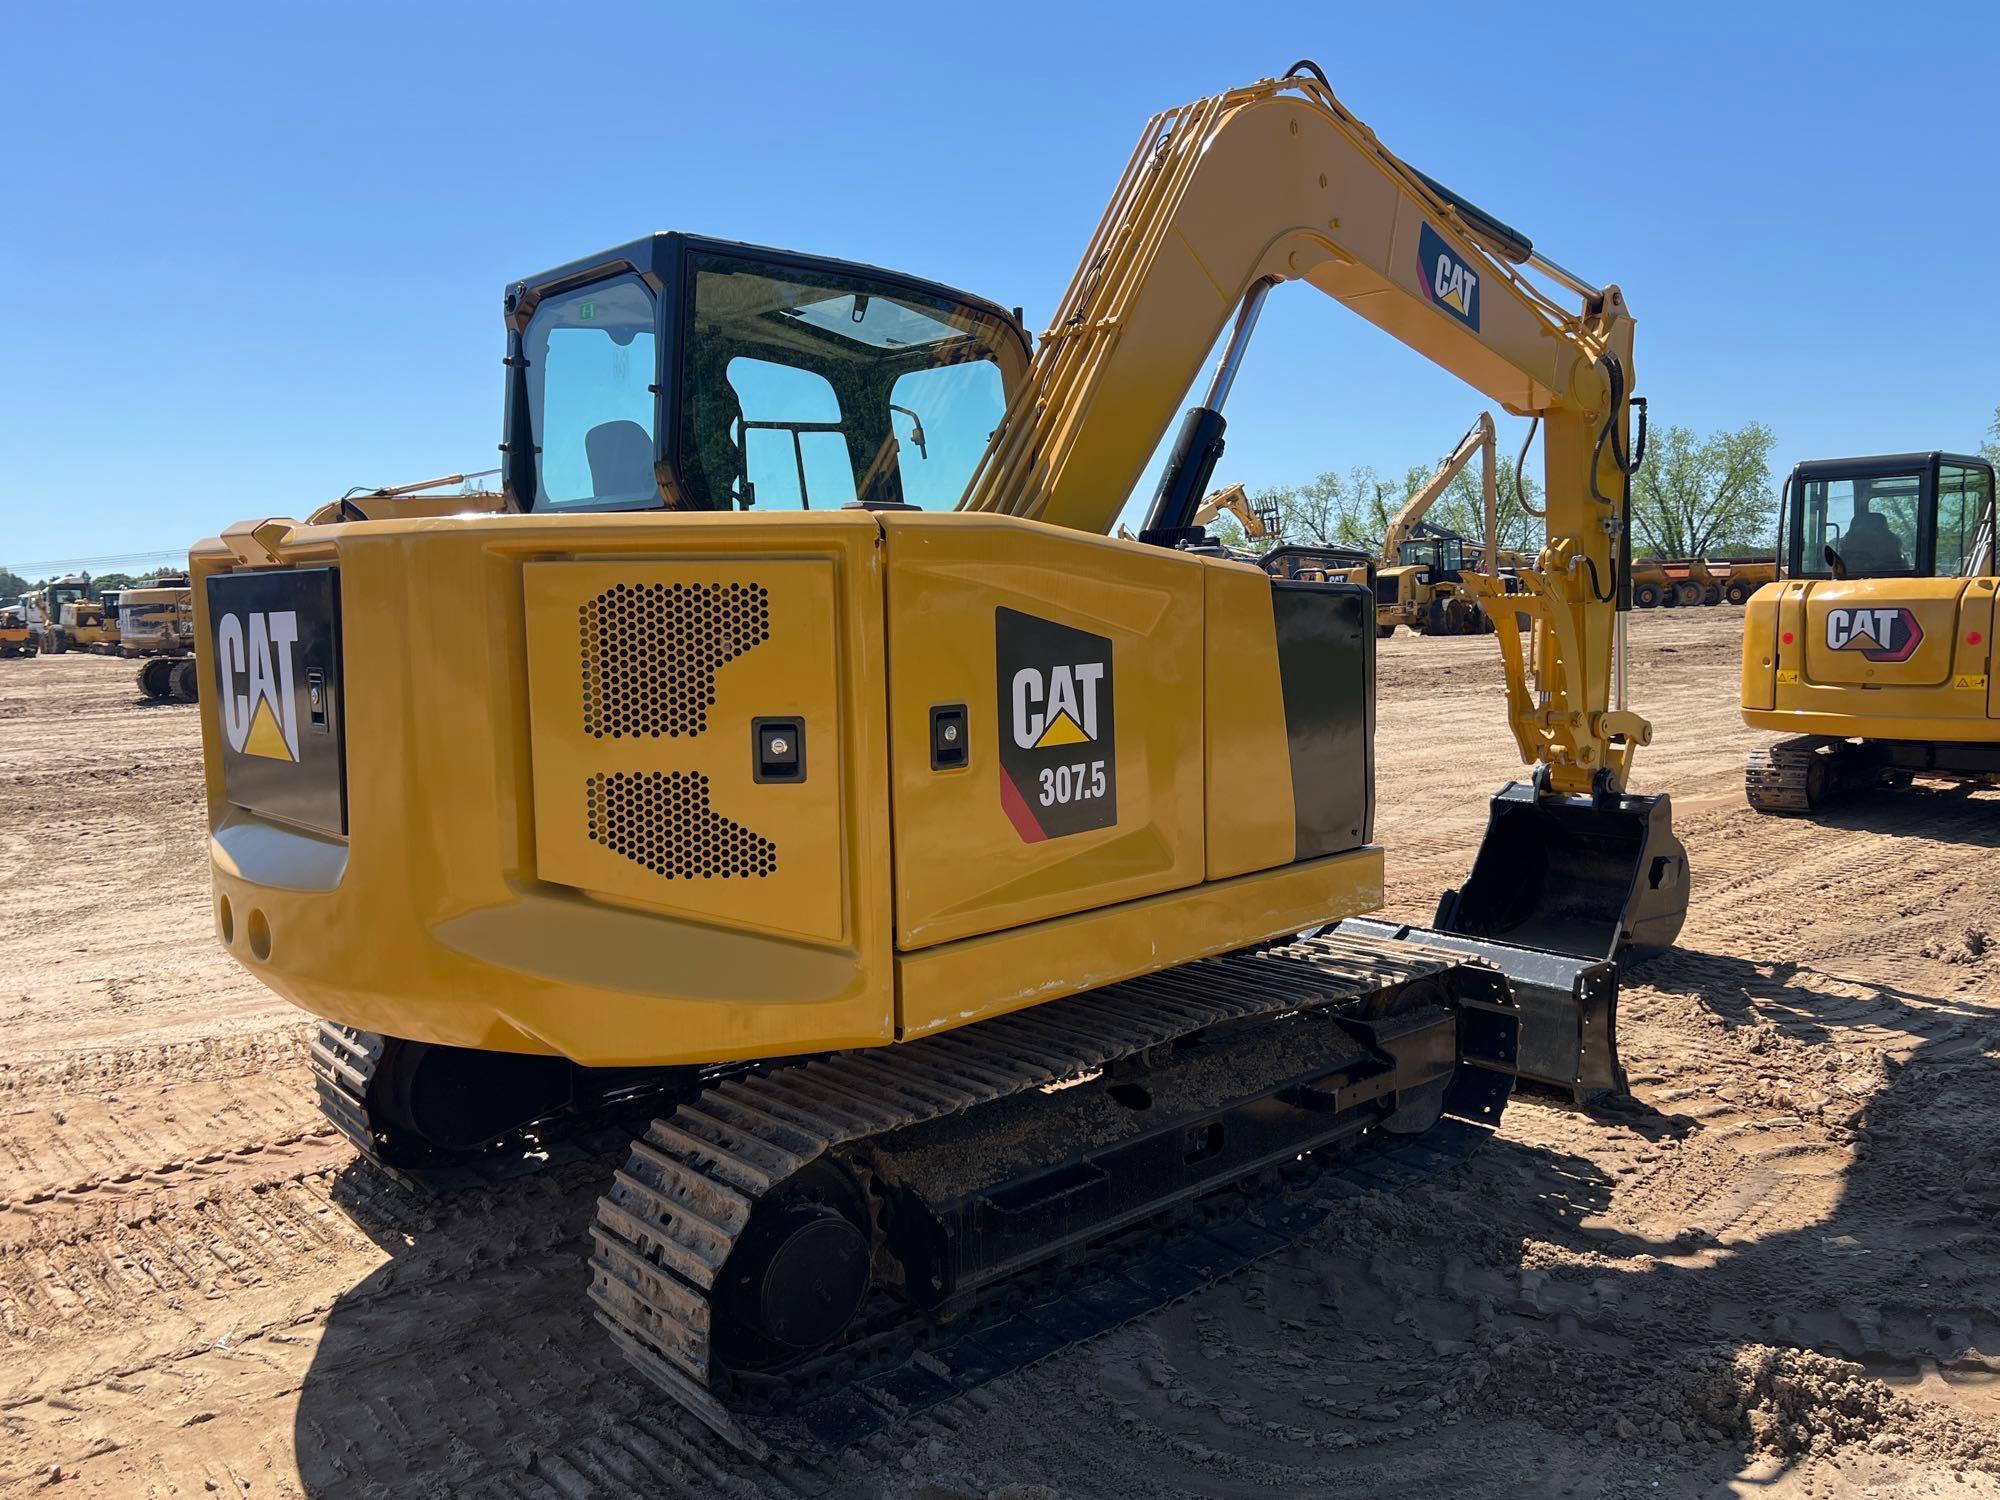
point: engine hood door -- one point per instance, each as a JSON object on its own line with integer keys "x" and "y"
{"x": 1882, "y": 631}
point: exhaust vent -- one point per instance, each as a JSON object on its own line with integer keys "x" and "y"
{"x": 651, "y": 652}
{"x": 662, "y": 820}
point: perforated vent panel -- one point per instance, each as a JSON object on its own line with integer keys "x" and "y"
{"x": 662, "y": 820}
{"x": 651, "y": 651}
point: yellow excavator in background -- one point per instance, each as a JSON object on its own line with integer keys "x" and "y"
{"x": 1309, "y": 562}
{"x": 156, "y": 623}
{"x": 1874, "y": 651}
{"x": 1419, "y": 582}
{"x": 957, "y": 888}
{"x": 1259, "y": 522}
{"x": 16, "y": 639}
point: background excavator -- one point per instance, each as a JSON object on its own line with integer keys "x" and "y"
{"x": 1874, "y": 651}
{"x": 1309, "y": 562}
{"x": 794, "y": 757}
{"x": 16, "y": 639}
{"x": 1419, "y": 582}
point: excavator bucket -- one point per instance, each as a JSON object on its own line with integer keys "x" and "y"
{"x": 1593, "y": 877}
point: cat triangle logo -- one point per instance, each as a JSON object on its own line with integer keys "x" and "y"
{"x": 265, "y": 737}
{"x": 256, "y": 673}
{"x": 1062, "y": 730}
{"x": 1862, "y": 640}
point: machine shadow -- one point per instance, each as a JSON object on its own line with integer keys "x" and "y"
{"x": 469, "y": 1350}
{"x": 469, "y": 1359}
{"x": 1899, "y": 1273}
{"x": 1950, "y": 814}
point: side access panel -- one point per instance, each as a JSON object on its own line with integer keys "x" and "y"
{"x": 1073, "y": 666}
{"x": 687, "y": 738}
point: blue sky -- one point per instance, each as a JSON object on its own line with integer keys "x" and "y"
{"x": 256, "y": 253}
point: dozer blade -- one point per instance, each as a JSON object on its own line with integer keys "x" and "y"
{"x": 1567, "y": 1037}
{"x": 1593, "y": 877}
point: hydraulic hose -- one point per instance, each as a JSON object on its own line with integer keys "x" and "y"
{"x": 1628, "y": 465}
{"x": 1520, "y": 468}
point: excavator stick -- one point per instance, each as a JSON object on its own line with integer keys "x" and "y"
{"x": 1590, "y": 876}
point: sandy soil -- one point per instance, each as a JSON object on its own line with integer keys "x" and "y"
{"x": 1775, "y": 1270}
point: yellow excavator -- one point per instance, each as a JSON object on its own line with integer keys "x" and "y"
{"x": 1420, "y": 579}
{"x": 16, "y": 639}
{"x": 1873, "y": 653}
{"x": 1260, "y": 523}
{"x": 965, "y": 895}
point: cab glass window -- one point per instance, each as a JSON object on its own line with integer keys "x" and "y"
{"x": 794, "y": 447}
{"x": 942, "y": 418}
{"x": 592, "y": 361}
{"x": 801, "y": 389}
{"x": 1871, "y": 523}
{"x": 1963, "y": 497}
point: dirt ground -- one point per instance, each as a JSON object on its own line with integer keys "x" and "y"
{"x": 1775, "y": 1270}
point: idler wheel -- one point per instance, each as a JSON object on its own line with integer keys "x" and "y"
{"x": 797, "y": 1277}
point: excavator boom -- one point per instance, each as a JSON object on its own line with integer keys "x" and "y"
{"x": 1225, "y": 199}
{"x": 1479, "y": 439}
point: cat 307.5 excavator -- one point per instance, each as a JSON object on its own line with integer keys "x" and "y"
{"x": 958, "y": 887}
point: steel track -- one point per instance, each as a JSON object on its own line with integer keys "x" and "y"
{"x": 677, "y": 1208}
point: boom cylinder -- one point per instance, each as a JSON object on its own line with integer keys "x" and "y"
{"x": 1198, "y": 446}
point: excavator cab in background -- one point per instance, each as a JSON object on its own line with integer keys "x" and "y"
{"x": 1874, "y": 650}
{"x": 960, "y": 891}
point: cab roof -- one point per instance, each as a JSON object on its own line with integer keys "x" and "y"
{"x": 1882, "y": 463}
{"x": 657, "y": 257}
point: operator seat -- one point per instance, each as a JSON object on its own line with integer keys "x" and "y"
{"x": 1871, "y": 547}
{"x": 621, "y": 460}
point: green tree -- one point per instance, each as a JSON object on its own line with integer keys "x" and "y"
{"x": 12, "y": 586}
{"x": 1990, "y": 449}
{"x": 1695, "y": 496}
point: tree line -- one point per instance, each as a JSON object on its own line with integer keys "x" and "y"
{"x": 1694, "y": 495}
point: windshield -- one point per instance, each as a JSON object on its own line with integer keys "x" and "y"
{"x": 1871, "y": 523}
{"x": 802, "y": 390}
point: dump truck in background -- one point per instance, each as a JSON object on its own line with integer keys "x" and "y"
{"x": 1666, "y": 583}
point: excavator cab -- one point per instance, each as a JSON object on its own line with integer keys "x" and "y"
{"x": 684, "y": 373}
{"x": 1443, "y": 553}
{"x": 1904, "y": 515}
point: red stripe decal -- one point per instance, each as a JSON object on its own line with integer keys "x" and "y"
{"x": 1018, "y": 812}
